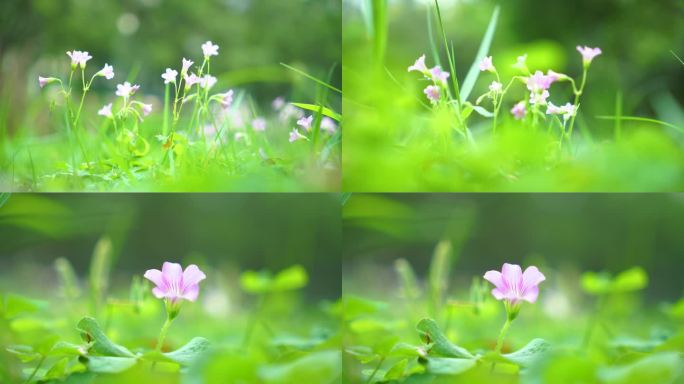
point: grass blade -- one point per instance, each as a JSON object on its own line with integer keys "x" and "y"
{"x": 641, "y": 119}
{"x": 678, "y": 58}
{"x": 474, "y": 71}
{"x": 316, "y": 108}
{"x": 321, "y": 82}
{"x": 450, "y": 57}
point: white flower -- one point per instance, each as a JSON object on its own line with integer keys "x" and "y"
{"x": 107, "y": 72}
{"x": 106, "y": 111}
{"x": 209, "y": 49}
{"x": 125, "y": 90}
{"x": 207, "y": 81}
{"x": 169, "y": 76}
{"x": 495, "y": 87}
{"x": 305, "y": 122}
{"x": 186, "y": 66}
{"x": 79, "y": 58}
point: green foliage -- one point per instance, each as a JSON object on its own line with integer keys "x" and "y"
{"x": 633, "y": 279}
{"x": 262, "y": 282}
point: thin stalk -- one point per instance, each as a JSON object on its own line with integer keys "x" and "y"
{"x": 578, "y": 93}
{"x": 167, "y": 92}
{"x": 162, "y": 334}
{"x": 33, "y": 374}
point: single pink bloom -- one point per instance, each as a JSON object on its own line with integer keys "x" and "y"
{"x": 169, "y": 76}
{"x": 305, "y": 122}
{"x": 432, "y": 93}
{"x": 174, "y": 284}
{"x": 278, "y": 103}
{"x": 191, "y": 80}
{"x": 42, "y": 81}
{"x": 539, "y": 81}
{"x": 419, "y": 65}
{"x": 186, "y": 66}
{"x": 513, "y": 286}
{"x": 209, "y": 49}
{"x": 588, "y": 54}
{"x": 328, "y": 125}
{"x": 259, "y": 124}
{"x": 495, "y": 87}
{"x": 568, "y": 110}
{"x": 519, "y": 111}
{"x": 295, "y": 135}
{"x": 126, "y": 89}
{"x": 207, "y": 81}
{"x": 487, "y": 65}
{"x": 146, "y": 109}
{"x": 106, "y": 111}
{"x": 107, "y": 72}
{"x": 439, "y": 76}
{"x": 227, "y": 99}
{"x": 539, "y": 97}
{"x": 79, "y": 58}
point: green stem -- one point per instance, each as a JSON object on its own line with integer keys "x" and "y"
{"x": 167, "y": 93}
{"x": 162, "y": 334}
{"x": 578, "y": 93}
{"x": 33, "y": 374}
{"x": 502, "y": 335}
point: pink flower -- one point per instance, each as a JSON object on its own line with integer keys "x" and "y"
{"x": 487, "y": 65}
{"x": 207, "y": 81}
{"x": 107, "y": 72}
{"x": 191, "y": 80}
{"x": 174, "y": 284}
{"x": 79, "y": 58}
{"x": 126, "y": 90}
{"x": 278, "y": 103}
{"x": 568, "y": 110}
{"x": 106, "y": 111}
{"x": 209, "y": 49}
{"x": 519, "y": 110}
{"x": 328, "y": 125}
{"x": 495, "y": 87}
{"x": 588, "y": 54}
{"x": 186, "y": 66}
{"x": 227, "y": 99}
{"x": 539, "y": 98}
{"x": 432, "y": 93}
{"x": 146, "y": 109}
{"x": 539, "y": 81}
{"x": 295, "y": 135}
{"x": 169, "y": 76}
{"x": 43, "y": 81}
{"x": 513, "y": 286}
{"x": 419, "y": 65}
{"x": 259, "y": 124}
{"x": 305, "y": 122}
{"x": 439, "y": 76}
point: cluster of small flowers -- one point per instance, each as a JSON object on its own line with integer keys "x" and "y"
{"x": 434, "y": 74}
{"x": 538, "y": 85}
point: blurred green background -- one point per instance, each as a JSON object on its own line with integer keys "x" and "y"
{"x": 141, "y": 38}
{"x": 564, "y": 233}
{"x": 228, "y": 232}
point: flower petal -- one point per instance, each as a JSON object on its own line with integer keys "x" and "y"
{"x": 498, "y": 294}
{"x": 531, "y": 294}
{"x": 191, "y": 292}
{"x": 512, "y": 275}
{"x": 155, "y": 276}
{"x": 192, "y": 275}
{"x": 172, "y": 274}
{"x": 532, "y": 277}
{"x": 495, "y": 278}
{"x": 158, "y": 293}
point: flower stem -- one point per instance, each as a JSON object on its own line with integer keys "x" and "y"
{"x": 167, "y": 92}
{"x": 502, "y": 335}
{"x": 578, "y": 93}
{"x": 162, "y": 333}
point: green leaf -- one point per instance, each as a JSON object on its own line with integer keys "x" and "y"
{"x": 397, "y": 370}
{"x": 448, "y": 365}
{"x": 642, "y": 120}
{"x": 110, "y": 364}
{"x": 63, "y": 348}
{"x": 362, "y": 353}
{"x": 25, "y": 353}
{"x": 657, "y": 368}
{"x": 438, "y": 344}
{"x": 57, "y": 370}
{"x": 530, "y": 353}
{"x": 15, "y": 305}
{"x": 316, "y": 108}
{"x": 321, "y": 82}
{"x": 290, "y": 279}
{"x": 407, "y": 350}
{"x": 440, "y": 267}
{"x": 633, "y": 279}
{"x": 189, "y": 352}
{"x": 474, "y": 71}
{"x": 4, "y": 197}
{"x": 91, "y": 332}
{"x": 319, "y": 367}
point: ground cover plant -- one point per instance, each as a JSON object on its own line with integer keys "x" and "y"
{"x": 519, "y": 115}
{"x": 102, "y": 128}
{"x": 412, "y": 317}
{"x": 208, "y": 320}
